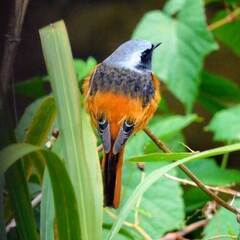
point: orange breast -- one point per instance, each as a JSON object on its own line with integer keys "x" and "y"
{"x": 118, "y": 107}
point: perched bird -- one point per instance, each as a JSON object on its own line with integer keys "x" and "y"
{"x": 121, "y": 96}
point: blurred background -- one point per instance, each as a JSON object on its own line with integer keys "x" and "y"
{"x": 95, "y": 29}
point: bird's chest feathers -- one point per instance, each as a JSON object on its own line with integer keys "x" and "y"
{"x": 137, "y": 85}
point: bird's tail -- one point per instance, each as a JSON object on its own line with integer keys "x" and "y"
{"x": 112, "y": 176}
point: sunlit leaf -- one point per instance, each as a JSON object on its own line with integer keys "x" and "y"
{"x": 79, "y": 143}
{"x": 225, "y": 124}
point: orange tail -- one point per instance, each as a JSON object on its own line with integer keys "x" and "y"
{"x": 112, "y": 178}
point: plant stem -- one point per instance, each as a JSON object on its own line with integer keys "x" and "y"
{"x": 188, "y": 229}
{"x": 164, "y": 148}
{"x": 217, "y": 189}
{"x": 224, "y": 160}
{"x": 228, "y": 19}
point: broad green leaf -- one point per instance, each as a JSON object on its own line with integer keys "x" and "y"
{"x": 33, "y": 88}
{"x": 221, "y": 177}
{"x": 79, "y": 143}
{"x": 156, "y": 175}
{"x": 19, "y": 195}
{"x": 194, "y": 199}
{"x": 229, "y": 33}
{"x": 162, "y": 198}
{"x": 47, "y": 210}
{"x": 63, "y": 193}
{"x": 182, "y": 29}
{"x": 217, "y": 92}
{"x": 223, "y": 223}
{"x": 225, "y": 125}
{"x": 157, "y": 157}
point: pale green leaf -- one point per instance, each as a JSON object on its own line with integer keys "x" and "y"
{"x": 182, "y": 29}
{"x": 225, "y": 124}
{"x": 79, "y": 143}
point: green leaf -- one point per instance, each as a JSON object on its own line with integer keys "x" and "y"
{"x": 156, "y": 175}
{"x": 64, "y": 196}
{"x": 229, "y": 33}
{"x": 33, "y": 88}
{"x": 162, "y": 198}
{"x": 47, "y": 210}
{"x": 225, "y": 125}
{"x": 84, "y": 68}
{"x": 19, "y": 195}
{"x": 194, "y": 199}
{"x": 221, "y": 177}
{"x": 182, "y": 29}
{"x": 79, "y": 143}
{"x": 217, "y": 92}
{"x": 223, "y": 223}
{"x": 157, "y": 157}
{"x": 34, "y": 127}
{"x": 163, "y": 127}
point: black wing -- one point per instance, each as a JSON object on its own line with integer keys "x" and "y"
{"x": 123, "y": 135}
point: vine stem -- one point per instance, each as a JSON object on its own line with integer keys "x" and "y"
{"x": 194, "y": 178}
{"x": 228, "y": 19}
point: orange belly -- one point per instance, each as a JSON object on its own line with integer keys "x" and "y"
{"x": 119, "y": 107}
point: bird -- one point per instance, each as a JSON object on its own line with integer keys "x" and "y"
{"x": 121, "y": 95}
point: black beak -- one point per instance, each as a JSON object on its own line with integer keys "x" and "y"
{"x": 154, "y": 46}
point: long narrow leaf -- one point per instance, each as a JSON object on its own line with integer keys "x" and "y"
{"x": 67, "y": 218}
{"x": 79, "y": 147}
{"x": 156, "y": 175}
{"x": 158, "y": 157}
{"x": 20, "y": 201}
{"x": 47, "y": 210}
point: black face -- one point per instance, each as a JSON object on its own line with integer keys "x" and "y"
{"x": 146, "y": 58}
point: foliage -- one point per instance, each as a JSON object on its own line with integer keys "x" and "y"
{"x": 154, "y": 202}
{"x": 186, "y": 41}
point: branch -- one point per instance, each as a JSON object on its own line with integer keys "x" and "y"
{"x": 131, "y": 225}
{"x": 195, "y": 179}
{"x": 217, "y": 189}
{"x": 188, "y": 229}
{"x": 228, "y": 19}
{"x": 11, "y": 43}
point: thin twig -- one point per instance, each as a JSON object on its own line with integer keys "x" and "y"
{"x": 34, "y": 203}
{"x": 131, "y": 225}
{"x": 228, "y": 19}
{"x": 188, "y": 229}
{"x": 195, "y": 179}
{"x": 217, "y": 189}
{"x": 137, "y": 221}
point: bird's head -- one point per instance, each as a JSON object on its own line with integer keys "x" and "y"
{"x": 133, "y": 54}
